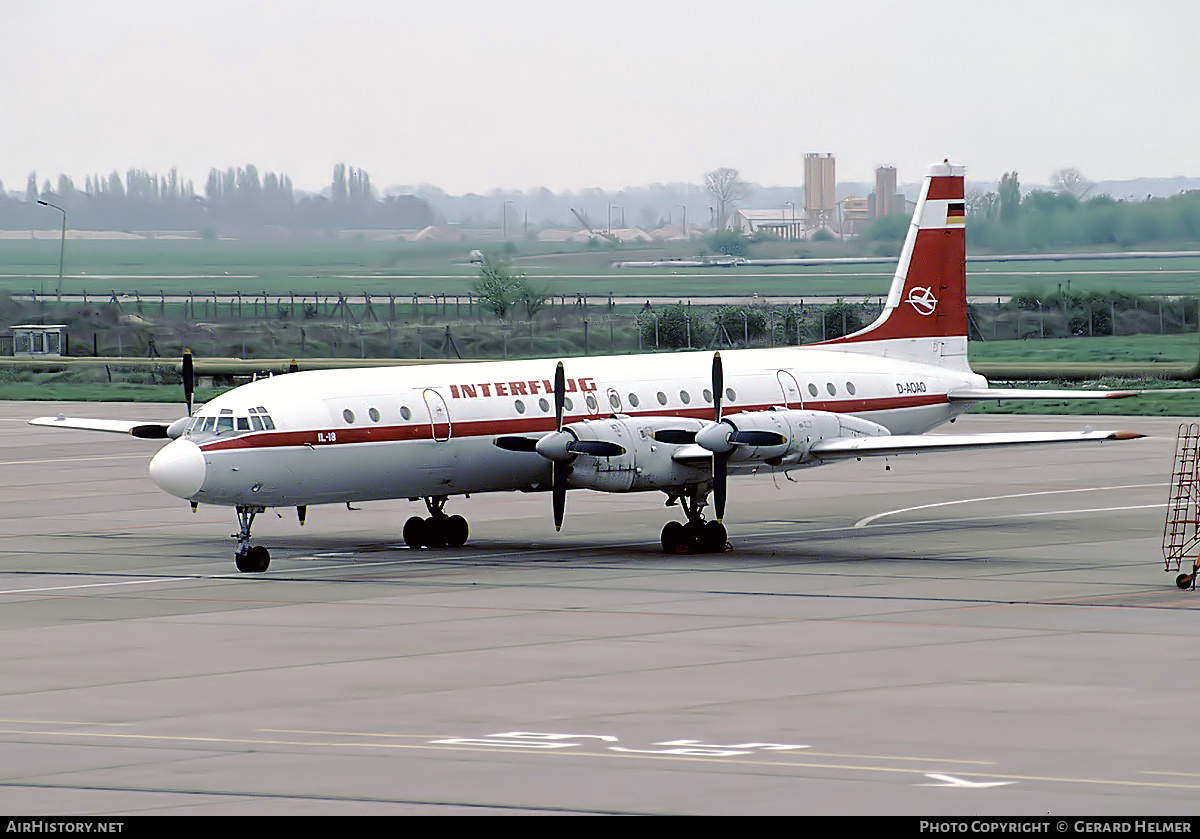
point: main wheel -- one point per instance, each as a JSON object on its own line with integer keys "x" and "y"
{"x": 456, "y": 531}
{"x": 414, "y": 532}
{"x": 1184, "y": 581}
{"x": 674, "y": 540}
{"x": 713, "y": 538}
{"x": 435, "y": 531}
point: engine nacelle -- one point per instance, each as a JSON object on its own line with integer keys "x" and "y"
{"x": 798, "y": 429}
{"x": 645, "y": 464}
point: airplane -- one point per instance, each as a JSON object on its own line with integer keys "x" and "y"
{"x": 677, "y": 423}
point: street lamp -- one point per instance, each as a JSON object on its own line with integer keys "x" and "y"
{"x": 504, "y": 214}
{"x": 62, "y": 245}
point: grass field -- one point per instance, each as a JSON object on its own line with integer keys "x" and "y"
{"x": 404, "y": 269}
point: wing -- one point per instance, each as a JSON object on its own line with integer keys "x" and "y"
{"x": 145, "y": 430}
{"x": 972, "y": 394}
{"x": 843, "y": 448}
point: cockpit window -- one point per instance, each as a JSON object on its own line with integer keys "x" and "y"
{"x": 226, "y": 423}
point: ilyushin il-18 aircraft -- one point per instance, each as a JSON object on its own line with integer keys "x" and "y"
{"x": 678, "y": 423}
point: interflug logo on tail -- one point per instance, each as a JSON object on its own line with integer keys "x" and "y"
{"x": 922, "y": 300}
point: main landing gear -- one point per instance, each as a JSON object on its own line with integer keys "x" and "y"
{"x": 439, "y": 530}
{"x": 697, "y": 535}
{"x": 249, "y": 558}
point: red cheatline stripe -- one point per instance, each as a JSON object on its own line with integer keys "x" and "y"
{"x": 946, "y": 187}
{"x": 532, "y": 425}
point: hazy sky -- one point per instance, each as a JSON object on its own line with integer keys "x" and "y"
{"x": 471, "y": 95}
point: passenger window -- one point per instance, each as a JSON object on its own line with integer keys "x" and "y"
{"x": 685, "y": 397}
{"x": 373, "y": 413}
{"x": 348, "y": 415}
{"x": 812, "y": 390}
{"x": 633, "y": 400}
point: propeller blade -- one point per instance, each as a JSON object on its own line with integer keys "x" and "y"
{"x": 720, "y": 474}
{"x": 596, "y": 448}
{"x": 560, "y": 395}
{"x": 558, "y": 481}
{"x": 757, "y": 438}
{"x": 559, "y": 470}
{"x": 674, "y": 436}
{"x": 718, "y": 385}
{"x": 720, "y": 460}
{"x": 189, "y": 380}
{"x": 516, "y": 444}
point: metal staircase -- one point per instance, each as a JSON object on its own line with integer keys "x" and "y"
{"x": 1181, "y": 533}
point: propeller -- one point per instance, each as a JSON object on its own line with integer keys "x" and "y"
{"x": 560, "y": 447}
{"x": 157, "y": 431}
{"x": 722, "y": 438}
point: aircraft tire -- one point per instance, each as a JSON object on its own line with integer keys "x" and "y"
{"x": 714, "y": 537}
{"x": 414, "y": 532}
{"x": 673, "y": 538}
{"x": 435, "y": 531}
{"x": 456, "y": 531}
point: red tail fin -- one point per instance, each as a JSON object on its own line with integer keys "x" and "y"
{"x": 928, "y": 297}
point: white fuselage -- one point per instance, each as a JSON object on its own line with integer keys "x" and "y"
{"x": 429, "y": 430}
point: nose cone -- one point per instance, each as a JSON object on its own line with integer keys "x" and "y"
{"x": 179, "y": 468}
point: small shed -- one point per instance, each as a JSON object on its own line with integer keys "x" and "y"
{"x": 39, "y": 340}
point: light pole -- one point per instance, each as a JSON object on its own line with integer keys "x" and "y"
{"x": 62, "y": 244}
{"x": 504, "y": 213}
{"x": 791, "y": 231}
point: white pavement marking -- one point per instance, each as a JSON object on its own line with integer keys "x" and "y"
{"x": 959, "y": 783}
{"x": 869, "y": 519}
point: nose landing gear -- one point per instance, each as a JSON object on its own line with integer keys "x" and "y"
{"x": 249, "y": 558}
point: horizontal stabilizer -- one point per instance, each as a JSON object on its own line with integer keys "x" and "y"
{"x": 973, "y": 394}
{"x": 847, "y": 447}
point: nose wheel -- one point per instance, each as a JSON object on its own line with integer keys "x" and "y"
{"x": 249, "y": 558}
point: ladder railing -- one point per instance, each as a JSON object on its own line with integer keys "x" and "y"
{"x": 1181, "y": 532}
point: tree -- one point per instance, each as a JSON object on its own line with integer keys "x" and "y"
{"x": 726, "y": 188}
{"x": 495, "y": 287}
{"x": 1010, "y": 197}
{"x": 729, "y": 242}
{"x": 1072, "y": 182}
